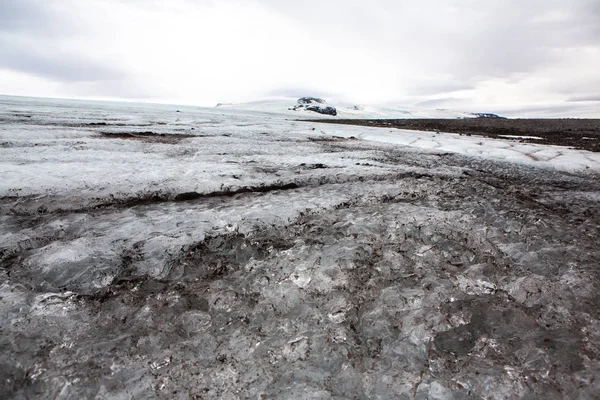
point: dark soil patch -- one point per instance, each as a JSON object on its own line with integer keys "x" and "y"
{"x": 314, "y": 166}
{"x": 330, "y": 138}
{"x": 148, "y": 136}
{"x": 578, "y": 133}
{"x": 160, "y": 197}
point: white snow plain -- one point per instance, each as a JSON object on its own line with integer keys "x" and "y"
{"x": 40, "y": 157}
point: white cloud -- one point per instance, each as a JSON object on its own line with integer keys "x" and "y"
{"x": 471, "y": 53}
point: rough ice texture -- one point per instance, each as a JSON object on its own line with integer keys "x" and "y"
{"x": 152, "y": 254}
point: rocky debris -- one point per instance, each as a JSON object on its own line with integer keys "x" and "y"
{"x": 487, "y": 115}
{"x": 327, "y": 110}
{"x": 441, "y": 293}
{"x": 310, "y": 100}
{"x": 149, "y": 136}
{"x": 314, "y": 104}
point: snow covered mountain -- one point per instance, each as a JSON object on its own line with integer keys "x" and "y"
{"x": 298, "y": 109}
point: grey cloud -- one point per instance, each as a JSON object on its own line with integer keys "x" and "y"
{"x": 516, "y": 38}
{"x": 19, "y": 14}
{"x": 31, "y": 17}
{"x": 470, "y": 40}
{"x": 584, "y": 98}
{"x": 30, "y": 42}
{"x": 300, "y": 92}
{"x": 32, "y": 34}
{"x": 545, "y": 111}
{"x": 465, "y": 41}
{"x": 438, "y": 88}
{"x": 55, "y": 65}
{"x": 435, "y": 102}
{"x": 574, "y": 86}
{"x": 590, "y": 13}
{"x": 351, "y": 18}
{"x": 126, "y": 88}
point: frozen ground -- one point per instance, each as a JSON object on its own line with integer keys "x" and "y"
{"x": 233, "y": 253}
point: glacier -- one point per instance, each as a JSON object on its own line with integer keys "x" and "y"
{"x": 159, "y": 251}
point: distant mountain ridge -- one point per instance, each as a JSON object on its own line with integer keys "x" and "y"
{"x": 316, "y": 107}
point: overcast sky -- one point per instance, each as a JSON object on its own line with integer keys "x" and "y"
{"x": 481, "y": 55}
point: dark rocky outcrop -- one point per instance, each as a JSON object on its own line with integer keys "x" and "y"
{"x": 310, "y": 100}
{"x": 326, "y": 110}
{"x": 487, "y": 115}
{"x": 314, "y": 104}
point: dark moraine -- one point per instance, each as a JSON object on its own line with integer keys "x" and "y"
{"x": 578, "y": 133}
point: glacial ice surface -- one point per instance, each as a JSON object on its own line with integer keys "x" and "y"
{"x": 219, "y": 253}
